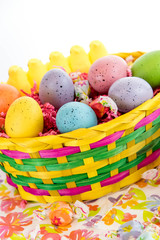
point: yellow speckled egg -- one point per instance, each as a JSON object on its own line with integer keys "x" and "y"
{"x": 24, "y": 118}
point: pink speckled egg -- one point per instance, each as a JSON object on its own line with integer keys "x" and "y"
{"x": 105, "y": 71}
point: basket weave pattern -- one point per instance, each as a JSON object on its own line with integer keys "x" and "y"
{"x": 87, "y": 163}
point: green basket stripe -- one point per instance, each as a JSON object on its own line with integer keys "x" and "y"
{"x": 157, "y": 120}
{"x": 40, "y": 186}
{"x": 149, "y": 146}
{"x": 147, "y": 134}
{"x": 93, "y": 180}
{"x": 112, "y": 166}
{"x": 133, "y": 163}
{"x": 73, "y": 178}
{"x": 156, "y": 147}
{"x": 39, "y": 161}
{"x": 130, "y": 137}
{"x": 65, "y": 179}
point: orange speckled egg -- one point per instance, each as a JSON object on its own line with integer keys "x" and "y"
{"x": 8, "y": 94}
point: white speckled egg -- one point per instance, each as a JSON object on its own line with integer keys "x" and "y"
{"x": 75, "y": 115}
{"x": 56, "y": 87}
{"x": 130, "y": 92}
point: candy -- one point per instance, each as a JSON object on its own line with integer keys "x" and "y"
{"x": 78, "y": 59}
{"x": 81, "y": 210}
{"x": 100, "y": 104}
{"x": 82, "y": 91}
{"x": 61, "y": 214}
{"x": 36, "y": 70}
{"x": 151, "y": 174}
{"x": 40, "y": 213}
{"x": 97, "y": 50}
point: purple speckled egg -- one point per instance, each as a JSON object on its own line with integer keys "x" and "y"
{"x": 105, "y": 71}
{"x": 130, "y": 92}
{"x": 57, "y": 88}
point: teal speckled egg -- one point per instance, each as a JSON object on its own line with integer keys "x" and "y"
{"x": 75, "y": 115}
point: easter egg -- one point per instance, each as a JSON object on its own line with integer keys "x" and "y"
{"x": 148, "y": 67}
{"x": 24, "y": 118}
{"x": 105, "y": 71}
{"x": 129, "y": 92}
{"x": 8, "y": 94}
{"x": 75, "y": 115}
{"x": 56, "y": 87}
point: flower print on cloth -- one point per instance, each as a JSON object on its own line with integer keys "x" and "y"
{"x": 116, "y": 214}
{"x": 82, "y": 234}
{"x": 8, "y": 204}
{"x": 49, "y": 228}
{"x": 13, "y": 223}
{"x": 4, "y": 191}
{"x": 136, "y": 205}
{"x": 109, "y": 218}
{"x": 51, "y": 236}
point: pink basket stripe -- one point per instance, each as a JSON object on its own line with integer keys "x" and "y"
{"x": 10, "y": 182}
{"x": 74, "y": 191}
{"x": 150, "y": 118}
{"x": 107, "y": 140}
{"x": 15, "y": 154}
{"x": 37, "y": 192}
{"x": 115, "y": 178}
{"x": 60, "y": 152}
{"x": 151, "y": 158}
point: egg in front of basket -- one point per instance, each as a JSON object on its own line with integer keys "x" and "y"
{"x": 24, "y": 118}
{"x": 75, "y": 115}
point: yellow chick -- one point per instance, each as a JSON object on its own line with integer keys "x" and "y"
{"x": 36, "y": 71}
{"x": 97, "y": 50}
{"x": 18, "y": 79}
{"x": 79, "y": 60}
{"x": 57, "y": 59}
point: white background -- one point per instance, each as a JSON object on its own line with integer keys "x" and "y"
{"x": 35, "y": 28}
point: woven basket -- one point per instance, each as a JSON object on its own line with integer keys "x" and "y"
{"x": 85, "y": 164}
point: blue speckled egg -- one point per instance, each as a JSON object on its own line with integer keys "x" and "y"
{"x": 130, "y": 92}
{"x": 56, "y": 87}
{"x": 74, "y": 115}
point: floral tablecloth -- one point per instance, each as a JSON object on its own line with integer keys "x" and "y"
{"x": 110, "y": 217}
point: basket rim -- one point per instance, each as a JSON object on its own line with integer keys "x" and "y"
{"x": 93, "y": 134}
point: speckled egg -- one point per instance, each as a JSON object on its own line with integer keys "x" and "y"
{"x": 56, "y": 87}
{"x": 105, "y": 71}
{"x": 129, "y": 92}
{"x": 75, "y": 115}
{"x": 148, "y": 67}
